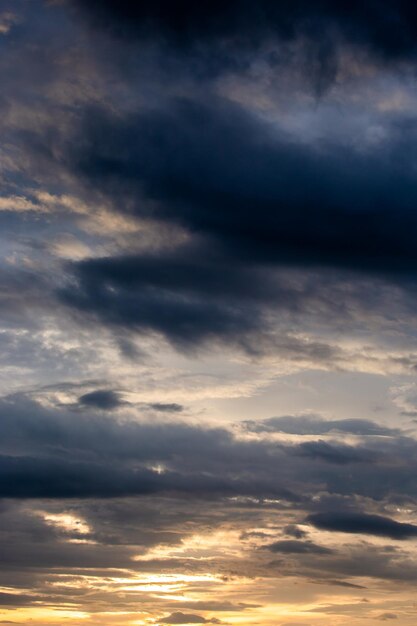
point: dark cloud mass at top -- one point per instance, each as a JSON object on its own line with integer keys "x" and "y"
{"x": 233, "y": 182}
{"x": 226, "y": 35}
{"x": 218, "y": 171}
{"x": 386, "y": 27}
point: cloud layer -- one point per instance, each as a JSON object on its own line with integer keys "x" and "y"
{"x": 208, "y": 312}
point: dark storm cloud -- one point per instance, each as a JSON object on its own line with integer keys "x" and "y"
{"x": 189, "y": 295}
{"x": 297, "y": 547}
{"x": 27, "y": 477}
{"x": 217, "y": 170}
{"x": 232, "y": 181}
{"x": 197, "y": 294}
{"x": 235, "y": 184}
{"x": 184, "y": 301}
{"x": 387, "y": 28}
{"x": 361, "y": 523}
{"x": 60, "y": 453}
{"x": 210, "y": 39}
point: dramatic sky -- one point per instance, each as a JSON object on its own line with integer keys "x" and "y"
{"x": 208, "y": 312}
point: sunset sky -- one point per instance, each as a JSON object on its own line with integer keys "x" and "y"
{"x": 208, "y": 312}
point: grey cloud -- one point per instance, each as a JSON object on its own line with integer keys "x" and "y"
{"x": 226, "y": 32}
{"x": 316, "y": 425}
{"x": 340, "y": 583}
{"x": 231, "y": 292}
{"x": 11, "y": 599}
{"x": 166, "y": 407}
{"x": 104, "y": 399}
{"x": 297, "y": 547}
{"x": 143, "y": 158}
{"x": 336, "y": 453}
{"x": 108, "y": 400}
{"x": 361, "y": 523}
{"x": 363, "y": 561}
{"x": 73, "y": 449}
{"x": 186, "y": 618}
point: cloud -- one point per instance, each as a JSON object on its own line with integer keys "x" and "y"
{"x": 171, "y": 179}
{"x": 190, "y": 299}
{"x": 221, "y": 606}
{"x": 342, "y": 583}
{"x": 184, "y": 450}
{"x": 177, "y": 295}
{"x": 101, "y": 399}
{"x": 187, "y": 618}
{"x": 166, "y": 407}
{"x": 137, "y": 450}
{"x": 246, "y": 25}
{"x": 362, "y": 523}
{"x": 62, "y": 453}
{"x": 246, "y": 225}
{"x": 10, "y": 599}
{"x": 291, "y": 530}
{"x": 109, "y": 400}
{"x": 297, "y": 547}
{"x": 316, "y": 425}
{"x": 336, "y": 453}
{"x": 136, "y": 155}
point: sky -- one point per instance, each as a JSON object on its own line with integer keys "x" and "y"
{"x": 208, "y": 312}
